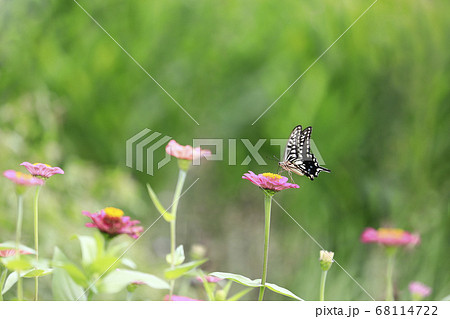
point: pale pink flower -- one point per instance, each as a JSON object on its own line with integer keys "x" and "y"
{"x": 389, "y": 237}
{"x": 22, "y": 179}
{"x": 138, "y": 282}
{"x": 42, "y": 170}
{"x": 419, "y": 289}
{"x": 209, "y": 279}
{"x": 269, "y": 181}
{"x": 11, "y": 252}
{"x": 179, "y": 298}
{"x": 185, "y": 152}
{"x": 112, "y": 221}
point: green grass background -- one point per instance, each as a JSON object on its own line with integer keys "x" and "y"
{"x": 378, "y": 101}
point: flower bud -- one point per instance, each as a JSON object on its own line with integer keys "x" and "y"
{"x": 198, "y": 251}
{"x": 419, "y": 290}
{"x": 220, "y": 295}
{"x": 326, "y": 259}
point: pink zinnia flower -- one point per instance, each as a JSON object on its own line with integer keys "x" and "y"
{"x": 210, "y": 279}
{"x": 42, "y": 170}
{"x": 179, "y": 298}
{"x": 11, "y": 252}
{"x": 22, "y": 179}
{"x": 185, "y": 152}
{"x": 112, "y": 222}
{"x": 269, "y": 181}
{"x": 389, "y": 237}
{"x": 419, "y": 290}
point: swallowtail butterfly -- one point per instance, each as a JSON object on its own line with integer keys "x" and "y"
{"x": 298, "y": 158}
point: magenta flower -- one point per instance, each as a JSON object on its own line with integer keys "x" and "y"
{"x": 185, "y": 152}
{"x": 22, "y": 179}
{"x": 269, "y": 181}
{"x": 419, "y": 290}
{"x": 11, "y": 252}
{"x": 389, "y": 237}
{"x": 112, "y": 222}
{"x": 42, "y": 170}
{"x": 209, "y": 279}
{"x": 179, "y": 298}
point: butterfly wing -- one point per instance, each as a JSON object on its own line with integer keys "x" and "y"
{"x": 291, "y": 150}
{"x": 298, "y": 157}
{"x": 310, "y": 167}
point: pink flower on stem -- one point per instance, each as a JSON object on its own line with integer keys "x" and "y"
{"x": 209, "y": 279}
{"x": 419, "y": 290}
{"x": 11, "y": 252}
{"x": 22, "y": 179}
{"x": 42, "y": 170}
{"x": 389, "y": 237}
{"x": 269, "y": 181}
{"x": 186, "y": 152}
{"x": 179, "y": 298}
{"x": 112, "y": 221}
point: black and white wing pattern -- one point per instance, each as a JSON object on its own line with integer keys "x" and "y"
{"x": 298, "y": 157}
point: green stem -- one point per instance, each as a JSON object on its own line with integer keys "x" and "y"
{"x": 18, "y": 236}
{"x": 323, "y": 279}
{"x": 19, "y": 287}
{"x": 176, "y": 198}
{"x": 389, "y": 275}
{"x": 207, "y": 287}
{"x": 36, "y": 239}
{"x": 19, "y": 223}
{"x": 129, "y": 296}
{"x": 4, "y": 273}
{"x": 267, "y": 209}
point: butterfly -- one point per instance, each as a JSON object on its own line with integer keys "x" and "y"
{"x": 298, "y": 158}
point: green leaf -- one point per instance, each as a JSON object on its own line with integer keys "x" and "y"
{"x": 254, "y": 283}
{"x": 179, "y": 256}
{"x": 119, "y": 279}
{"x": 165, "y": 214}
{"x": 180, "y": 270}
{"x": 75, "y": 273}
{"x": 63, "y": 286}
{"x": 129, "y": 263}
{"x": 37, "y": 273}
{"x": 227, "y": 287}
{"x": 18, "y": 264}
{"x": 117, "y": 249}
{"x": 2, "y": 282}
{"x": 100, "y": 241}
{"x": 282, "y": 291}
{"x": 10, "y": 281}
{"x": 88, "y": 249}
{"x": 103, "y": 265}
{"x": 240, "y": 294}
{"x": 237, "y": 278}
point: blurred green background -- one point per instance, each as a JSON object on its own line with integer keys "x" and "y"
{"x": 378, "y": 102}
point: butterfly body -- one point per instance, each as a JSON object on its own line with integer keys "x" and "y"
{"x": 298, "y": 158}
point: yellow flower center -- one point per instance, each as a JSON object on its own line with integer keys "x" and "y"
{"x": 42, "y": 164}
{"x": 272, "y": 175}
{"x": 23, "y": 176}
{"x": 390, "y": 233}
{"x": 113, "y": 212}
